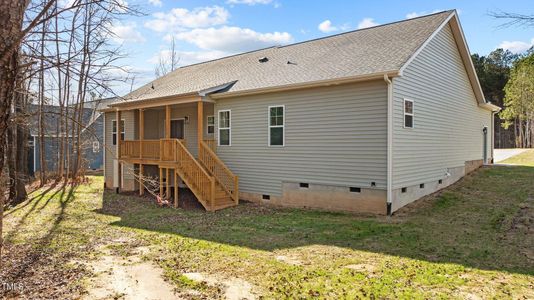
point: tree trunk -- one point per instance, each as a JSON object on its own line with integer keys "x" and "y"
{"x": 11, "y": 17}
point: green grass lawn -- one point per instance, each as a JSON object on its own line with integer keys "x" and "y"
{"x": 474, "y": 239}
{"x": 526, "y": 159}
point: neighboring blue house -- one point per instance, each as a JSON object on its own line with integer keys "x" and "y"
{"x": 91, "y": 136}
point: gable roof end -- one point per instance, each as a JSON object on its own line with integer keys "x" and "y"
{"x": 465, "y": 54}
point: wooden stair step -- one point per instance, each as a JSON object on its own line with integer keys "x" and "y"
{"x": 223, "y": 202}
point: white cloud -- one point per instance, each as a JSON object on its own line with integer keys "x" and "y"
{"x": 233, "y": 39}
{"x": 326, "y": 26}
{"x": 180, "y": 18}
{"x": 516, "y": 46}
{"x": 155, "y": 2}
{"x": 412, "y": 15}
{"x": 249, "y": 2}
{"x": 188, "y": 57}
{"x": 416, "y": 14}
{"x": 124, "y": 33}
{"x": 367, "y": 22}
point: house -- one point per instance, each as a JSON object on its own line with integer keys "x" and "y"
{"x": 369, "y": 121}
{"x": 91, "y": 137}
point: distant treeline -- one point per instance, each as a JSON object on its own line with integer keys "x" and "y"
{"x": 507, "y": 80}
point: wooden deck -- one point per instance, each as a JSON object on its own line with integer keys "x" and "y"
{"x": 214, "y": 185}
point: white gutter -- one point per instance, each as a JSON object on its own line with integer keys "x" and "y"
{"x": 389, "y": 159}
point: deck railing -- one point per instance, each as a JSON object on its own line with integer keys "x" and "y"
{"x": 148, "y": 149}
{"x": 227, "y": 179}
{"x": 129, "y": 149}
{"x": 212, "y": 144}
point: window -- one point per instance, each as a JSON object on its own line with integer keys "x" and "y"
{"x": 276, "y": 125}
{"x": 96, "y": 146}
{"x": 114, "y": 131}
{"x": 211, "y": 124}
{"x": 225, "y": 130}
{"x": 408, "y": 113}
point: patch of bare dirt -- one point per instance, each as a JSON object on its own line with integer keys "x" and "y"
{"x": 522, "y": 225}
{"x": 128, "y": 277}
{"x": 233, "y": 288}
{"x": 291, "y": 260}
{"x": 365, "y": 268}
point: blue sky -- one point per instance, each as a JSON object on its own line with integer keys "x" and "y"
{"x": 205, "y": 30}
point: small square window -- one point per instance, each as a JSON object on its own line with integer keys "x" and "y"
{"x": 422, "y": 186}
{"x": 266, "y": 197}
{"x": 440, "y": 181}
{"x": 403, "y": 190}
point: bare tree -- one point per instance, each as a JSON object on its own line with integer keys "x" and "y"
{"x": 70, "y": 62}
{"x": 514, "y": 19}
{"x": 168, "y": 60}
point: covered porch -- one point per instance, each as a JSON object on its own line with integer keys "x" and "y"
{"x": 174, "y": 141}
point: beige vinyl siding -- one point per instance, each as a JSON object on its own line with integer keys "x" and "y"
{"x": 155, "y": 123}
{"x": 447, "y": 120}
{"x": 333, "y": 135}
{"x": 129, "y": 134}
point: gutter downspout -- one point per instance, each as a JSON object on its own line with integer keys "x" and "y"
{"x": 492, "y": 135}
{"x": 104, "y": 147}
{"x": 389, "y": 177}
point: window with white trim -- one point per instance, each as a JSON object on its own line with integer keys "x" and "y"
{"x": 276, "y": 125}
{"x": 96, "y": 146}
{"x": 114, "y": 131}
{"x": 408, "y": 113}
{"x": 210, "y": 124}
{"x": 225, "y": 127}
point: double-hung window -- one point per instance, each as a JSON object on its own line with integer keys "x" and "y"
{"x": 225, "y": 128}
{"x": 211, "y": 124}
{"x": 408, "y": 113}
{"x": 96, "y": 146}
{"x": 114, "y": 131}
{"x": 276, "y": 125}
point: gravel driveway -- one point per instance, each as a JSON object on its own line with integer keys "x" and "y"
{"x": 502, "y": 154}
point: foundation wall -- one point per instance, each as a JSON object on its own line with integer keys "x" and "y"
{"x": 415, "y": 192}
{"x": 331, "y": 198}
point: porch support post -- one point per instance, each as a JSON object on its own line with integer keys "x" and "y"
{"x": 160, "y": 183}
{"x": 141, "y": 131}
{"x": 167, "y": 183}
{"x": 175, "y": 189}
{"x": 200, "y": 122}
{"x": 167, "y": 121}
{"x": 141, "y": 183}
{"x": 118, "y": 148}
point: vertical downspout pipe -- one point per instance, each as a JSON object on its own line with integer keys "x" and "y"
{"x": 104, "y": 146}
{"x": 492, "y": 132}
{"x": 389, "y": 159}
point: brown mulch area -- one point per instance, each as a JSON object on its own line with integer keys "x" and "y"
{"x": 187, "y": 199}
{"x": 29, "y": 273}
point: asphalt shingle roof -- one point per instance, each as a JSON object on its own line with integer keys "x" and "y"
{"x": 367, "y": 51}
